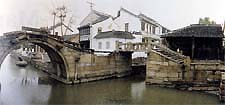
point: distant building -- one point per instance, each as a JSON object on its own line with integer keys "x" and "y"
{"x": 96, "y": 24}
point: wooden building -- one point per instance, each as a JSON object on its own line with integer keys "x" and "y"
{"x": 200, "y": 42}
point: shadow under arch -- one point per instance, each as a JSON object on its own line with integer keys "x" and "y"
{"x": 58, "y": 61}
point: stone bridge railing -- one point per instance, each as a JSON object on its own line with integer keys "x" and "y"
{"x": 136, "y": 47}
{"x": 144, "y": 47}
{"x": 153, "y": 47}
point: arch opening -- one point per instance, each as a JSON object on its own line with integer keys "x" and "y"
{"x": 58, "y": 62}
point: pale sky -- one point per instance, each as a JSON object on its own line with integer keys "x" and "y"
{"x": 172, "y": 14}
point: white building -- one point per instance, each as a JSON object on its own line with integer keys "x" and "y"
{"x": 97, "y": 23}
{"x": 106, "y": 41}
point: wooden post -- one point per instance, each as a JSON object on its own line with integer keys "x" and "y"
{"x": 193, "y": 48}
{"x": 117, "y": 45}
{"x": 218, "y": 54}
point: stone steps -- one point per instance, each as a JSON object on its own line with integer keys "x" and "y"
{"x": 170, "y": 55}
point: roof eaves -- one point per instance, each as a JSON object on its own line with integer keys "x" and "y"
{"x": 102, "y": 17}
{"x": 114, "y": 34}
{"x": 142, "y": 16}
{"x": 101, "y": 13}
{"x": 125, "y": 10}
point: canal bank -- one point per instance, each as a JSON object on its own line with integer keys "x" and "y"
{"x": 130, "y": 90}
{"x": 90, "y": 68}
{"x": 192, "y": 58}
{"x": 46, "y": 67}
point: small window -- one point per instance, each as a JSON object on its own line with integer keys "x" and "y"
{"x": 99, "y": 29}
{"x": 107, "y": 45}
{"x": 143, "y": 40}
{"x": 153, "y": 30}
{"x": 118, "y": 14}
{"x": 126, "y": 27}
{"x": 142, "y": 26}
{"x": 150, "y": 28}
{"x": 99, "y": 45}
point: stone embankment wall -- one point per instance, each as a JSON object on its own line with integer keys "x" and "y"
{"x": 92, "y": 67}
{"x": 161, "y": 70}
{"x": 194, "y": 75}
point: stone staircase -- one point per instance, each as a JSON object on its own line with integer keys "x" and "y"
{"x": 152, "y": 47}
{"x": 168, "y": 53}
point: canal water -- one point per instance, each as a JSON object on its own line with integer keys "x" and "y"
{"x": 27, "y": 86}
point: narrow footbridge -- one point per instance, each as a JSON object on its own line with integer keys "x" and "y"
{"x": 152, "y": 47}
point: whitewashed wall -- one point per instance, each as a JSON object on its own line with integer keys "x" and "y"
{"x": 107, "y": 25}
{"x": 134, "y": 22}
{"x": 112, "y": 42}
{"x": 119, "y": 25}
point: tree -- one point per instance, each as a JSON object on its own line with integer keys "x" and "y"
{"x": 206, "y": 20}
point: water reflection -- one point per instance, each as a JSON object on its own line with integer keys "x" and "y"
{"x": 27, "y": 86}
{"x": 138, "y": 90}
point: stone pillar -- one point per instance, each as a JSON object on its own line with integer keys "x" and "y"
{"x": 39, "y": 49}
{"x": 77, "y": 59}
{"x": 149, "y": 45}
{"x": 58, "y": 70}
{"x": 36, "y": 49}
{"x": 193, "y": 48}
{"x": 117, "y": 46}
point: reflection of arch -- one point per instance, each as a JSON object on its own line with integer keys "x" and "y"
{"x": 56, "y": 57}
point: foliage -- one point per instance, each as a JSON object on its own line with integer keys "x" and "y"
{"x": 206, "y": 20}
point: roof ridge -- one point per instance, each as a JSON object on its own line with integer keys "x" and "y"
{"x": 141, "y": 14}
{"x": 197, "y": 31}
{"x": 102, "y": 13}
{"x": 128, "y": 11}
{"x": 98, "y": 17}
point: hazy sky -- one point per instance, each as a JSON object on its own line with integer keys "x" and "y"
{"x": 172, "y": 14}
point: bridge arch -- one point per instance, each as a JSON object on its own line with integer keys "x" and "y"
{"x": 58, "y": 61}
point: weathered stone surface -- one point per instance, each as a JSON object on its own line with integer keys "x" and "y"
{"x": 69, "y": 63}
{"x": 201, "y": 74}
{"x": 100, "y": 67}
{"x": 161, "y": 70}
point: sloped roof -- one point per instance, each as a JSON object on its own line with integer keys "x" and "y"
{"x": 68, "y": 37}
{"x": 114, "y": 34}
{"x": 143, "y": 16}
{"x": 94, "y": 17}
{"x": 127, "y": 11}
{"x": 197, "y": 30}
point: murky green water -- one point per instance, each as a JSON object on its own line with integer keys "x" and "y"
{"x": 27, "y": 86}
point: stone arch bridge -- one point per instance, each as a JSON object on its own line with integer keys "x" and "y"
{"x": 71, "y": 63}
{"x": 59, "y": 52}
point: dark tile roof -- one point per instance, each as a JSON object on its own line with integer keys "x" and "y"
{"x": 101, "y": 18}
{"x": 94, "y": 17}
{"x": 68, "y": 37}
{"x": 143, "y": 16}
{"x": 197, "y": 30}
{"x": 114, "y": 34}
